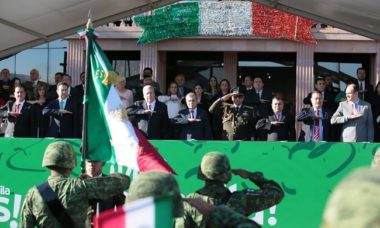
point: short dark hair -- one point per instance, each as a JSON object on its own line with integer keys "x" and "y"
{"x": 360, "y": 68}
{"x": 319, "y": 79}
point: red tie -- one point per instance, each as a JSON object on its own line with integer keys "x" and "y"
{"x": 17, "y": 108}
{"x": 316, "y": 127}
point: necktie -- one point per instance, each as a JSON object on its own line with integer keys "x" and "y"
{"x": 278, "y": 116}
{"x": 361, "y": 86}
{"x": 316, "y": 127}
{"x": 61, "y": 105}
{"x": 17, "y": 108}
{"x": 192, "y": 114}
{"x": 237, "y": 109}
{"x": 149, "y": 107}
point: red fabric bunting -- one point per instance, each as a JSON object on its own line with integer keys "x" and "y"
{"x": 272, "y": 23}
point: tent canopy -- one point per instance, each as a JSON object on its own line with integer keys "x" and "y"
{"x": 25, "y": 23}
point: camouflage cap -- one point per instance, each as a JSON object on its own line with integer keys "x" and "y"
{"x": 60, "y": 154}
{"x": 215, "y": 166}
{"x": 376, "y": 159}
{"x": 156, "y": 184}
{"x": 355, "y": 201}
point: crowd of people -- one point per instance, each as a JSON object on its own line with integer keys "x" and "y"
{"x": 214, "y": 111}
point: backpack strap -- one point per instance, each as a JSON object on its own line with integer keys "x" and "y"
{"x": 55, "y": 206}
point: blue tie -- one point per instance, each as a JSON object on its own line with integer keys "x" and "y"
{"x": 61, "y": 105}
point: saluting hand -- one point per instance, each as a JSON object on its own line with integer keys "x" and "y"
{"x": 242, "y": 173}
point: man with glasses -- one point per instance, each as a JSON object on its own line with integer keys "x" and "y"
{"x": 238, "y": 119}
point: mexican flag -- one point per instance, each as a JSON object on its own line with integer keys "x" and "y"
{"x": 110, "y": 135}
{"x": 148, "y": 213}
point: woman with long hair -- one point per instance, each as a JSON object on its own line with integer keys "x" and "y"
{"x": 202, "y": 100}
{"x": 212, "y": 87}
{"x": 41, "y": 123}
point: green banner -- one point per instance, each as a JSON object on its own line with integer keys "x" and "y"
{"x": 307, "y": 172}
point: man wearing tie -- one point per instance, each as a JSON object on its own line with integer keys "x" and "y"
{"x": 279, "y": 126}
{"x": 197, "y": 125}
{"x": 182, "y": 89}
{"x": 355, "y": 115}
{"x": 63, "y": 114}
{"x": 366, "y": 92}
{"x": 150, "y": 115}
{"x": 316, "y": 121}
{"x": 20, "y": 123}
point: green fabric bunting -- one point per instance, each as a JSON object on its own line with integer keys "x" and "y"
{"x": 176, "y": 20}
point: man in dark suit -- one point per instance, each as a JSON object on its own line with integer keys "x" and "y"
{"x": 52, "y": 93}
{"x": 150, "y": 115}
{"x": 182, "y": 89}
{"x": 366, "y": 92}
{"x": 19, "y": 112}
{"x": 196, "y": 124}
{"x": 279, "y": 126}
{"x": 31, "y": 85}
{"x": 328, "y": 98}
{"x": 79, "y": 89}
{"x": 63, "y": 114}
{"x": 316, "y": 121}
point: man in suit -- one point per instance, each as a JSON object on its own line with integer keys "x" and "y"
{"x": 182, "y": 89}
{"x": 355, "y": 115}
{"x": 196, "y": 124}
{"x": 31, "y": 85}
{"x": 79, "y": 89}
{"x": 279, "y": 126}
{"x": 63, "y": 115}
{"x": 366, "y": 92}
{"x": 316, "y": 121}
{"x": 150, "y": 115}
{"x": 327, "y": 98}
{"x": 20, "y": 122}
{"x": 238, "y": 119}
{"x": 52, "y": 92}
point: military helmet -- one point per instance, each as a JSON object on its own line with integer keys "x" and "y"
{"x": 215, "y": 166}
{"x": 355, "y": 201}
{"x": 60, "y": 154}
{"x": 156, "y": 184}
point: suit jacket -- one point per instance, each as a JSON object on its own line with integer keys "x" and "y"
{"x": 23, "y": 123}
{"x": 252, "y": 99}
{"x": 52, "y": 93}
{"x": 198, "y": 130}
{"x": 307, "y": 117}
{"x": 357, "y": 130}
{"x": 282, "y": 132}
{"x": 153, "y": 126}
{"x": 62, "y": 125}
{"x": 368, "y": 92}
{"x": 328, "y": 101}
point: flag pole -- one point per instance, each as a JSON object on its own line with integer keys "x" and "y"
{"x": 85, "y": 100}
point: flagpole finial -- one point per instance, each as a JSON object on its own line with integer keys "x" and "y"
{"x": 89, "y": 21}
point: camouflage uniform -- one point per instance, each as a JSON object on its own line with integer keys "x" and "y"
{"x": 158, "y": 184}
{"x": 355, "y": 202}
{"x": 215, "y": 167}
{"x": 73, "y": 193}
{"x": 237, "y": 124}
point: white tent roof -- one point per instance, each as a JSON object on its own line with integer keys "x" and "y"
{"x": 27, "y": 23}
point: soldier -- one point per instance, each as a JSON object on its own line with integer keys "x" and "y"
{"x": 215, "y": 170}
{"x": 355, "y": 201}
{"x": 156, "y": 184}
{"x": 63, "y": 201}
{"x": 238, "y": 119}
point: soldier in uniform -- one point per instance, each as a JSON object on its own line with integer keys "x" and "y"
{"x": 63, "y": 201}
{"x": 238, "y": 119}
{"x": 156, "y": 184}
{"x": 355, "y": 202}
{"x": 215, "y": 170}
